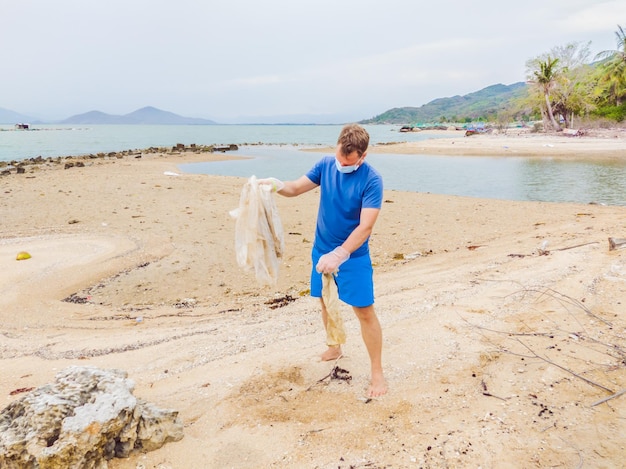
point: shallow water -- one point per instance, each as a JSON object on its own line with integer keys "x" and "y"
{"x": 275, "y": 149}
{"x": 506, "y": 178}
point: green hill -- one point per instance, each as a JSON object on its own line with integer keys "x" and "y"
{"x": 486, "y": 102}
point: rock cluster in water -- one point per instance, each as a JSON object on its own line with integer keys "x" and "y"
{"x": 19, "y": 167}
{"x": 85, "y": 418}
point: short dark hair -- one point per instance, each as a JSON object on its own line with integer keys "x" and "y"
{"x": 353, "y": 137}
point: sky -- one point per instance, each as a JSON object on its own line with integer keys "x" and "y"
{"x": 240, "y": 60}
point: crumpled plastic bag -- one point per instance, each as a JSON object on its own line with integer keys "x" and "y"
{"x": 259, "y": 239}
{"x": 335, "y": 332}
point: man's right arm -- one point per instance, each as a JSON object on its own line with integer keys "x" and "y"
{"x": 297, "y": 187}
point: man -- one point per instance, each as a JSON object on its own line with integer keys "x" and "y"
{"x": 351, "y": 194}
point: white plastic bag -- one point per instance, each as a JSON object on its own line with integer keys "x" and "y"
{"x": 259, "y": 240}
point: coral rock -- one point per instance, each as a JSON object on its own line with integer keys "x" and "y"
{"x": 85, "y": 418}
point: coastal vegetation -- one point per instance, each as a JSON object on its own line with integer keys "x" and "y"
{"x": 564, "y": 87}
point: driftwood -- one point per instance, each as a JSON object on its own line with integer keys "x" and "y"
{"x": 616, "y": 243}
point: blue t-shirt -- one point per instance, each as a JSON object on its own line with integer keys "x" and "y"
{"x": 341, "y": 200}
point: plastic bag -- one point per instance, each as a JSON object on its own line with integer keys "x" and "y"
{"x": 259, "y": 239}
{"x": 335, "y": 332}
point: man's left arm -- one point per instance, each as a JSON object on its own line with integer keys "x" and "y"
{"x": 331, "y": 261}
{"x": 360, "y": 234}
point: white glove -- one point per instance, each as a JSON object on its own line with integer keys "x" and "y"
{"x": 275, "y": 184}
{"x": 329, "y": 263}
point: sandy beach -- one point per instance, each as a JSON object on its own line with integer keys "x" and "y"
{"x": 504, "y": 322}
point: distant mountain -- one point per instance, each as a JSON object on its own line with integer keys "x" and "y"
{"x": 147, "y": 115}
{"x": 487, "y": 101}
{"x": 93, "y": 117}
{"x": 483, "y": 103}
{"x": 11, "y": 117}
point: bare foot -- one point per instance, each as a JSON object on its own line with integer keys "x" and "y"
{"x": 332, "y": 353}
{"x": 378, "y": 386}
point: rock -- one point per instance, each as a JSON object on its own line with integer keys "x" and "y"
{"x": 85, "y": 418}
{"x": 616, "y": 243}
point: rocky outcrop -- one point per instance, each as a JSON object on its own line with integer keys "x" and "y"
{"x": 85, "y": 418}
{"x": 13, "y": 167}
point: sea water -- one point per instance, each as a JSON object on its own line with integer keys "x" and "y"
{"x": 65, "y": 140}
{"x": 277, "y": 150}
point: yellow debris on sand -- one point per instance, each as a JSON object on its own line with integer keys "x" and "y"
{"x": 22, "y": 256}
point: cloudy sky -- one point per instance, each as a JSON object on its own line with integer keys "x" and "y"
{"x": 229, "y": 60}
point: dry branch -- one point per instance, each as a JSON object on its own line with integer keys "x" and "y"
{"x": 547, "y": 360}
{"x": 561, "y": 298}
{"x": 613, "y": 396}
{"x": 576, "y": 246}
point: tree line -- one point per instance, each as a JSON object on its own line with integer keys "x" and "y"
{"x": 565, "y": 84}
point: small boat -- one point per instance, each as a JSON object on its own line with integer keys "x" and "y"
{"x": 474, "y": 129}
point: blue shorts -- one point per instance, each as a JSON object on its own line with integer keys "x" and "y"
{"x": 355, "y": 280}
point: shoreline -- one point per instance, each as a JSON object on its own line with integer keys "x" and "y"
{"x": 515, "y": 142}
{"x": 528, "y": 146}
{"x": 609, "y": 145}
{"x": 476, "y": 298}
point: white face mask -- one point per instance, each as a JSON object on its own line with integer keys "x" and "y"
{"x": 346, "y": 169}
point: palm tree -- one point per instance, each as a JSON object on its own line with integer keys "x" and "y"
{"x": 569, "y": 92}
{"x": 613, "y": 69}
{"x": 545, "y": 78}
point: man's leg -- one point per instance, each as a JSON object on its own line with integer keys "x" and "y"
{"x": 333, "y": 352}
{"x": 373, "y": 338}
